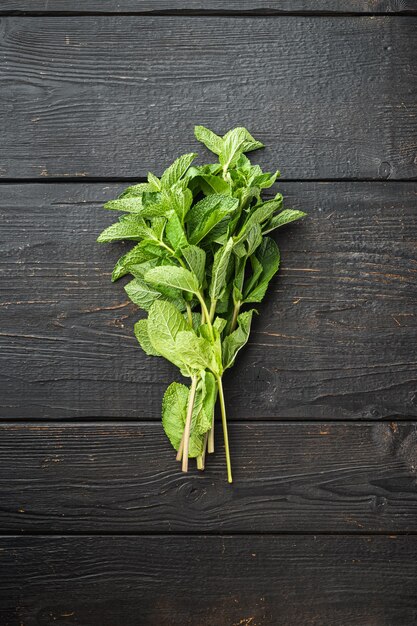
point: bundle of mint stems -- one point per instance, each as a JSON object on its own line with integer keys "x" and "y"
{"x": 202, "y": 257}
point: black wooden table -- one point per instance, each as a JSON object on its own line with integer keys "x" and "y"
{"x": 98, "y": 525}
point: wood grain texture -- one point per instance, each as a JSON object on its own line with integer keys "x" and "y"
{"x": 260, "y": 7}
{"x": 118, "y": 95}
{"x": 289, "y": 477}
{"x": 201, "y": 581}
{"x": 335, "y": 338}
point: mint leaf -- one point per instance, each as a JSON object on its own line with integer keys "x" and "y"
{"x": 164, "y": 324}
{"x": 219, "y": 272}
{"x": 196, "y": 261}
{"x": 172, "y": 276}
{"x": 196, "y": 351}
{"x": 269, "y": 257}
{"x": 142, "y": 335}
{"x": 212, "y": 141}
{"x": 129, "y": 228}
{"x": 175, "y": 233}
{"x": 142, "y": 294}
{"x": 285, "y": 217}
{"x": 237, "y": 339}
{"x": 177, "y": 170}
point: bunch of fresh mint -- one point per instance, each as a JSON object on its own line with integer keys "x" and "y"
{"x": 202, "y": 254}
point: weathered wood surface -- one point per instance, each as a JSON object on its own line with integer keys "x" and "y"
{"x": 227, "y": 581}
{"x": 335, "y": 338}
{"x": 118, "y": 95}
{"x": 261, "y": 7}
{"x": 289, "y": 477}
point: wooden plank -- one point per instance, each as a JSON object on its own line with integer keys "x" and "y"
{"x": 247, "y": 580}
{"x": 261, "y": 7}
{"x": 334, "y": 339}
{"x": 114, "y": 96}
{"x": 288, "y": 477}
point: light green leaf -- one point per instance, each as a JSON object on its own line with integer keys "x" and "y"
{"x": 285, "y": 217}
{"x": 177, "y": 170}
{"x": 212, "y": 141}
{"x": 196, "y": 261}
{"x": 129, "y": 205}
{"x": 135, "y": 191}
{"x": 174, "y": 411}
{"x": 172, "y": 276}
{"x": 142, "y": 294}
{"x": 237, "y": 339}
{"x": 164, "y": 323}
{"x": 135, "y": 256}
{"x": 196, "y": 351}
{"x": 141, "y": 333}
{"x": 205, "y": 400}
{"x": 131, "y": 227}
{"x": 175, "y": 233}
{"x": 219, "y": 324}
{"x": 181, "y": 201}
{"x": 219, "y": 271}
{"x": 232, "y": 146}
{"x": 154, "y": 182}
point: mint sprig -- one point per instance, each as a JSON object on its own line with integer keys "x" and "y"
{"x": 201, "y": 254}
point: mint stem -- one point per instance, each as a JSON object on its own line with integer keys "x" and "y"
{"x": 187, "y": 428}
{"x": 225, "y": 435}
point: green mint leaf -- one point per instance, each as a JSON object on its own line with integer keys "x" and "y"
{"x": 214, "y": 184}
{"x": 142, "y": 294}
{"x": 164, "y": 323}
{"x": 141, "y": 333}
{"x": 129, "y": 205}
{"x": 212, "y": 141}
{"x": 172, "y": 276}
{"x": 177, "y": 170}
{"x": 203, "y": 413}
{"x": 237, "y": 339}
{"x": 175, "y": 233}
{"x": 135, "y": 191}
{"x": 219, "y": 271}
{"x": 263, "y": 212}
{"x": 219, "y": 324}
{"x": 196, "y": 351}
{"x": 233, "y": 142}
{"x": 136, "y": 256}
{"x": 130, "y": 227}
{"x": 154, "y": 182}
{"x": 285, "y": 217}
{"x": 207, "y": 213}
{"x": 196, "y": 261}
{"x": 181, "y": 201}
{"x": 174, "y": 411}
{"x": 253, "y": 239}
{"x": 269, "y": 257}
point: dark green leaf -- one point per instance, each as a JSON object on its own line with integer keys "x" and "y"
{"x": 269, "y": 257}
